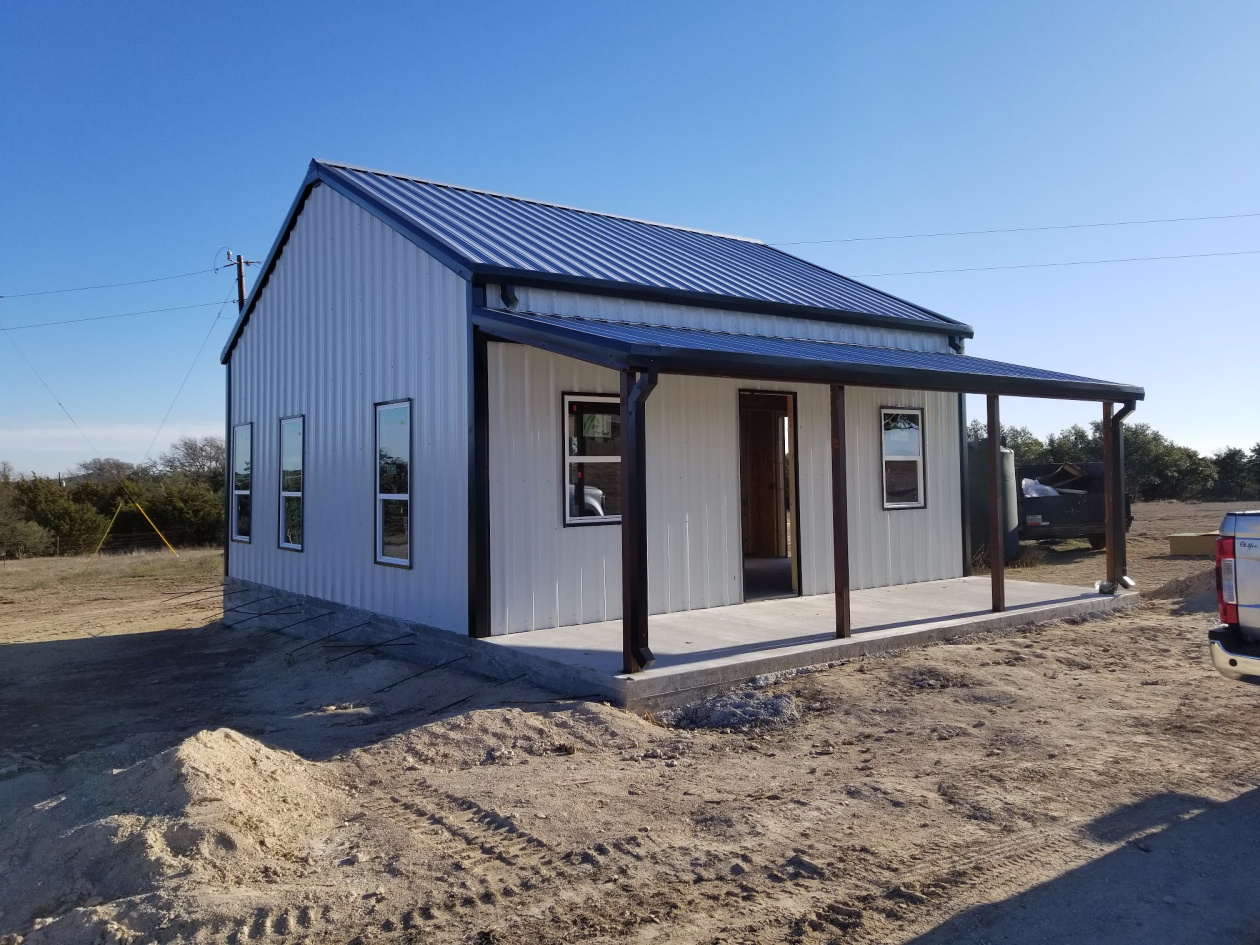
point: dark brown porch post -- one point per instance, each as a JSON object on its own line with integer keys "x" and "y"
{"x": 1119, "y": 504}
{"x": 840, "y": 512}
{"x": 997, "y": 544}
{"x": 635, "y": 653}
{"x": 1109, "y": 491}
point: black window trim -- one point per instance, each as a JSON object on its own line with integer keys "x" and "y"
{"x": 923, "y": 451}
{"x": 376, "y": 484}
{"x": 235, "y": 536}
{"x": 280, "y": 492}
{"x": 585, "y": 521}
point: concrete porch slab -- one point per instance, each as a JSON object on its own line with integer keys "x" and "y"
{"x": 701, "y": 651}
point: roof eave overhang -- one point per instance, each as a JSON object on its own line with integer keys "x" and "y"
{"x": 619, "y": 355}
{"x": 319, "y": 173}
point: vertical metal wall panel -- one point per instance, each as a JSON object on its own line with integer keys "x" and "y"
{"x": 555, "y": 302}
{"x": 902, "y": 546}
{"x": 354, "y": 314}
{"x": 547, "y": 575}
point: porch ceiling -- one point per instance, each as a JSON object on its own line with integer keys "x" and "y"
{"x": 621, "y": 345}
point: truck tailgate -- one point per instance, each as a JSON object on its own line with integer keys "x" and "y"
{"x": 1247, "y": 563}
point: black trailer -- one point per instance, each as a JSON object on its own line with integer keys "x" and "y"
{"x": 1078, "y": 511}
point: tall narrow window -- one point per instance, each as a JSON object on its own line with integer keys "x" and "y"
{"x": 592, "y": 459}
{"x": 292, "y": 461}
{"x": 393, "y": 483}
{"x": 242, "y": 479}
{"x": 902, "y": 443}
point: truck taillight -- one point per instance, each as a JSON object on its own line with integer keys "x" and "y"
{"x": 1226, "y": 586}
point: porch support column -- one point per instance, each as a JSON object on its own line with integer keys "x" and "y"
{"x": 1121, "y": 508}
{"x": 635, "y": 653}
{"x": 840, "y": 512}
{"x": 479, "y": 489}
{"x": 1109, "y": 492}
{"x": 997, "y": 540}
{"x": 1115, "y": 497}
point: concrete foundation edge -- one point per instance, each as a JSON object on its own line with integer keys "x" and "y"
{"x": 260, "y": 607}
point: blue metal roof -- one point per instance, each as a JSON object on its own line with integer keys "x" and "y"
{"x": 689, "y": 350}
{"x": 509, "y": 238}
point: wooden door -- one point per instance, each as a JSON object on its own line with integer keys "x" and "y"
{"x": 763, "y": 480}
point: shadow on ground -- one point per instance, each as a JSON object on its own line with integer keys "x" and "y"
{"x": 1186, "y": 875}
{"x": 138, "y": 693}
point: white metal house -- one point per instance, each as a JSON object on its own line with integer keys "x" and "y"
{"x": 488, "y": 415}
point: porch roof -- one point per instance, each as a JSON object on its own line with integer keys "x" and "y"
{"x": 623, "y": 345}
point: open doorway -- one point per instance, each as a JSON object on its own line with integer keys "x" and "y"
{"x": 768, "y": 494}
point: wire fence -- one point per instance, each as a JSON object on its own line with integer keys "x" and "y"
{"x": 116, "y": 544}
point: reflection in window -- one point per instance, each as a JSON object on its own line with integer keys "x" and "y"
{"x": 242, "y": 479}
{"x": 592, "y": 459}
{"x": 902, "y": 445}
{"x": 393, "y": 483}
{"x": 292, "y": 456}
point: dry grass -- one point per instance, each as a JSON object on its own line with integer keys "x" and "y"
{"x": 204, "y": 565}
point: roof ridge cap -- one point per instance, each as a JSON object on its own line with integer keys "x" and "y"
{"x": 541, "y": 203}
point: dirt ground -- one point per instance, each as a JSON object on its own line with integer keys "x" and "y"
{"x": 1074, "y": 562}
{"x": 167, "y": 777}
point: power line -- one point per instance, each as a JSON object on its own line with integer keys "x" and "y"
{"x": 187, "y": 374}
{"x": 99, "y": 318}
{"x": 1016, "y": 229}
{"x": 1077, "y": 262}
{"x": 111, "y": 285}
{"x": 54, "y": 396}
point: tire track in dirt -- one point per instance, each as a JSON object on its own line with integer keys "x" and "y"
{"x": 495, "y": 858}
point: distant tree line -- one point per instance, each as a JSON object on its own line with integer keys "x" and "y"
{"x": 182, "y": 492}
{"x": 1154, "y": 466}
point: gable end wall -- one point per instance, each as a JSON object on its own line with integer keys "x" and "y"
{"x": 354, "y": 314}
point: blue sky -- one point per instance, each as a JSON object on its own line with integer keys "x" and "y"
{"x": 140, "y": 138}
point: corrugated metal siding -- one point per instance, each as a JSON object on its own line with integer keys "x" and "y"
{"x": 493, "y": 230}
{"x": 355, "y": 314}
{"x": 903, "y": 546}
{"x": 636, "y": 311}
{"x": 546, "y": 575}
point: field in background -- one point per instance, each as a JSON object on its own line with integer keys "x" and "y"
{"x": 1074, "y": 562}
{"x": 166, "y": 777}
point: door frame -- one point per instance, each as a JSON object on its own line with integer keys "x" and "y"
{"x": 793, "y": 483}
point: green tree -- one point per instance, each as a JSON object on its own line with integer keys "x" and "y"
{"x": 1021, "y": 441}
{"x": 200, "y": 460}
{"x": 190, "y": 511}
{"x": 1076, "y": 444}
{"x": 19, "y": 537}
{"x": 74, "y": 527}
{"x": 1235, "y": 474}
{"x": 1157, "y": 468}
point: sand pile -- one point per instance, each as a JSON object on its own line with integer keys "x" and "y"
{"x": 490, "y": 735}
{"x": 219, "y": 809}
{"x": 1198, "y": 591}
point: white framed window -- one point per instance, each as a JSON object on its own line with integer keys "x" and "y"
{"x": 901, "y": 443}
{"x": 393, "y": 483}
{"x": 592, "y": 459}
{"x": 292, "y": 484}
{"x": 242, "y": 480}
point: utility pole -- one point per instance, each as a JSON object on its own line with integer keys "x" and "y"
{"x": 240, "y": 279}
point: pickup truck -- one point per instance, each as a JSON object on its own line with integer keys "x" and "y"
{"x": 1236, "y": 645}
